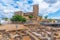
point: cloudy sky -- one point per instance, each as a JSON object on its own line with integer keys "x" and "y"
{"x": 46, "y": 7}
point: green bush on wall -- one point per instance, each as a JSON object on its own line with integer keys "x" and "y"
{"x": 18, "y": 18}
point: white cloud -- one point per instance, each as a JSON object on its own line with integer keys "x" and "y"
{"x": 44, "y": 8}
{"x": 54, "y": 7}
{"x": 9, "y": 9}
{"x": 56, "y": 17}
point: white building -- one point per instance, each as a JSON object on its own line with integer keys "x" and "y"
{"x": 5, "y": 22}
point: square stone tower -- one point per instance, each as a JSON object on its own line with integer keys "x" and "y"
{"x": 35, "y": 10}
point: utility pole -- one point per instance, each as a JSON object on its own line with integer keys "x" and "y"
{"x": 16, "y": 28}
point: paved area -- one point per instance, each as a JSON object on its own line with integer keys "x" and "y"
{"x": 10, "y": 27}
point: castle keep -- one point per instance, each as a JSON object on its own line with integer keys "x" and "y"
{"x": 34, "y": 13}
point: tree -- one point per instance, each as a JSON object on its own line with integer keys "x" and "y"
{"x": 30, "y": 16}
{"x": 5, "y": 19}
{"x": 50, "y": 20}
{"x": 41, "y": 17}
{"x": 18, "y": 18}
{"x": 46, "y": 17}
{"x": 23, "y": 20}
{"x": 0, "y": 22}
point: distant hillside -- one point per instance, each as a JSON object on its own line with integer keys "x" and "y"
{"x": 58, "y": 20}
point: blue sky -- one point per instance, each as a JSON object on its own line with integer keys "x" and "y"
{"x": 46, "y": 7}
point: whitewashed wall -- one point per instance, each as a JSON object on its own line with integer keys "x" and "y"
{"x": 5, "y": 22}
